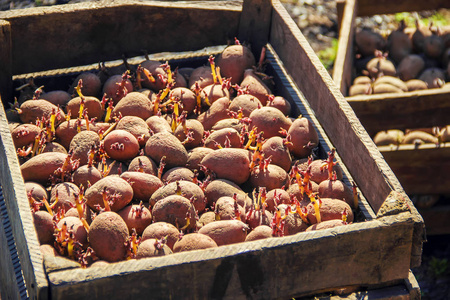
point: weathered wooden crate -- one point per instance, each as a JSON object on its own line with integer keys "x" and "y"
{"x": 421, "y": 169}
{"x": 377, "y": 252}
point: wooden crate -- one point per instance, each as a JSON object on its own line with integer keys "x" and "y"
{"x": 379, "y": 251}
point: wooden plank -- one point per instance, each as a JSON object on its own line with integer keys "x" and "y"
{"x": 426, "y": 108}
{"x": 343, "y": 65}
{"x": 101, "y": 31}
{"x": 254, "y": 24}
{"x": 370, "y": 7}
{"x": 437, "y": 219}
{"x": 421, "y": 169}
{"x": 355, "y": 146}
{"x": 5, "y": 60}
{"x": 18, "y": 210}
{"x": 288, "y": 266}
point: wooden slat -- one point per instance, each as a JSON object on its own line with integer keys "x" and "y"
{"x": 288, "y": 267}
{"x": 5, "y": 60}
{"x": 90, "y": 32}
{"x": 401, "y": 111}
{"x": 19, "y": 211}
{"x": 370, "y": 7}
{"x": 421, "y": 169}
{"x": 343, "y": 65}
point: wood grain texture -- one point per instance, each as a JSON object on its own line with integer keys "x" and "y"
{"x": 19, "y": 211}
{"x": 5, "y": 60}
{"x": 418, "y": 109}
{"x": 358, "y": 152}
{"x": 287, "y": 266}
{"x": 370, "y": 7}
{"x": 254, "y": 24}
{"x": 101, "y": 31}
{"x": 421, "y": 169}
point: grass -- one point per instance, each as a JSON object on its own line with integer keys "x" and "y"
{"x": 438, "y": 19}
{"x": 328, "y": 55}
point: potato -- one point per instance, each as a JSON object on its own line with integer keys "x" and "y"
{"x": 294, "y": 190}
{"x": 41, "y": 167}
{"x": 136, "y": 217}
{"x": 325, "y": 225}
{"x": 32, "y": 110}
{"x": 367, "y": 41}
{"x": 187, "y": 189}
{"x": 186, "y": 97}
{"x": 229, "y": 163}
{"x": 233, "y": 61}
{"x": 76, "y": 227}
{"x": 379, "y": 65}
{"x": 410, "y": 67}
{"x": 394, "y": 81}
{"x": 136, "y": 126}
{"x": 143, "y": 184}
{"x": 116, "y": 88}
{"x": 151, "y": 248}
{"x": 227, "y": 209}
{"x": 107, "y": 236}
{"x": 226, "y": 137}
{"x": 225, "y": 232}
{"x": 222, "y": 187}
{"x": 43, "y": 223}
{"x": 388, "y": 137}
{"x": 276, "y": 148}
{"x": 281, "y": 104}
{"x": 202, "y": 75}
{"x": 121, "y": 145}
{"x": 195, "y": 156}
{"x": 167, "y": 145}
{"x": 330, "y": 209}
{"x": 115, "y": 187}
{"x": 433, "y": 77}
{"x": 214, "y": 92}
{"x": 259, "y": 233}
{"x": 205, "y": 218}
{"x": 256, "y": 218}
{"x": 271, "y": 178}
{"x": 143, "y": 164}
{"x": 82, "y": 143}
{"x": 360, "y": 89}
{"x": 25, "y": 134}
{"x": 362, "y": 80}
{"x": 155, "y": 68}
{"x": 320, "y": 173}
{"x": 91, "y": 84}
{"x": 158, "y": 124}
{"x": 160, "y": 230}
{"x": 36, "y": 190}
{"x": 68, "y": 129}
{"x": 176, "y": 210}
{"x": 255, "y": 86}
{"x": 229, "y": 123}
{"x": 293, "y": 223}
{"x": 270, "y": 121}
{"x": 67, "y": 195}
{"x": 336, "y": 189}
{"x": 176, "y": 174}
{"x": 216, "y": 112}
{"x": 276, "y": 197}
{"x": 245, "y": 103}
{"x": 134, "y": 104}
{"x": 416, "y": 85}
{"x": 91, "y": 104}
{"x": 57, "y": 97}
{"x": 419, "y": 137}
{"x": 194, "y": 129}
{"x": 194, "y": 241}
{"x": 304, "y": 137}
{"x": 399, "y": 44}
{"x": 53, "y": 147}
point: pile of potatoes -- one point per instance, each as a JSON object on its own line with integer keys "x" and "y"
{"x": 409, "y": 59}
{"x": 419, "y": 136}
{"x": 154, "y": 160}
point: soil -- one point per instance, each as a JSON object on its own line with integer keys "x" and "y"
{"x": 317, "y": 20}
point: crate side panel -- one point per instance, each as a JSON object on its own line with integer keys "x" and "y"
{"x": 18, "y": 210}
{"x": 370, "y": 252}
{"x": 89, "y": 34}
{"x": 5, "y": 60}
{"x": 418, "y": 109}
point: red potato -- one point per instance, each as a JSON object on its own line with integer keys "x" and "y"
{"x": 42, "y": 167}
{"x": 107, "y": 236}
{"x": 121, "y": 145}
{"x": 295, "y": 191}
{"x": 152, "y": 248}
{"x": 86, "y": 176}
{"x": 53, "y": 147}
{"x": 134, "y": 104}
{"x": 76, "y": 227}
{"x": 136, "y": 126}
{"x": 270, "y": 121}
{"x": 68, "y": 129}
{"x": 205, "y": 218}
{"x": 194, "y": 241}
{"x": 281, "y": 104}
{"x": 143, "y": 164}
{"x": 320, "y": 173}
{"x": 158, "y": 73}
{"x": 410, "y": 67}
{"x": 245, "y": 103}
{"x": 81, "y": 145}
{"x": 233, "y": 61}
{"x": 229, "y": 123}
{"x": 136, "y": 217}
{"x": 259, "y": 233}
{"x": 92, "y": 105}
{"x": 91, "y": 84}
{"x": 336, "y": 189}
{"x": 255, "y": 86}
{"x": 176, "y": 210}
{"x": 159, "y": 230}
{"x": 43, "y": 223}
{"x": 195, "y": 156}
{"x": 116, "y": 87}
{"x": 190, "y": 134}
{"x": 229, "y": 163}
{"x": 202, "y": 75}
{"x": 115, "y": 188}
{"x": 214, "y": 92}
{"x": 277, "y": 149}
{"x": 166, "y": 145}
{"x": 222, "y": 187}
{"x": 304, "y": 137}
{"x": 143, "y": 184}
{"x": 399, "y": 43}
{"x": 256, "y": 218}
{"x": 326, "y": 224}
{"x": 367, "y": 41}
{"x": 57, "y": 97}
{"x": 177, "y": 174}
{"x": 272, "y": 177}
{"x": 32, "y": 110}
{"x": 225, "y": 232}
{"x": 36, "y": 191}
{"x": 25, "y": 134}
{"x": 186, "y": 97}
{"x": 226, "y": 208}
{"x": 293, "y": 223}
{"x": 329, "y": 209}
{"x": 216, "y": 112}
{"x": 158, "y": 124}
{"x": 276, "y": 197}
